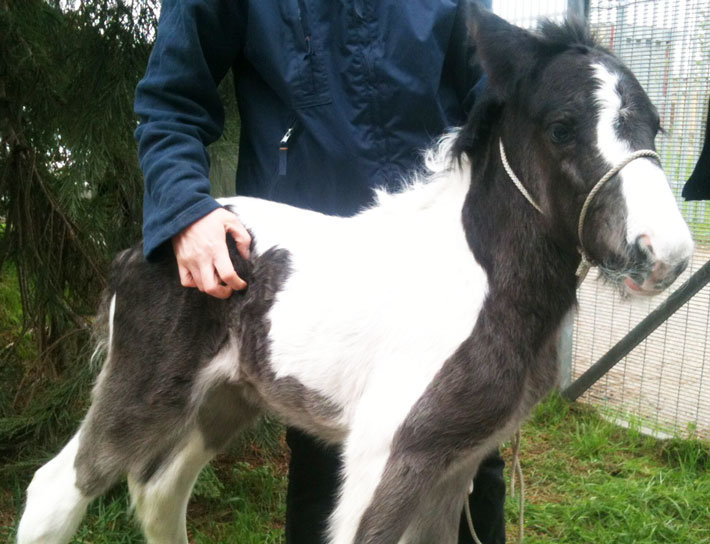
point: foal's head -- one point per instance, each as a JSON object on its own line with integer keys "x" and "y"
{"x": 568, "y": 114}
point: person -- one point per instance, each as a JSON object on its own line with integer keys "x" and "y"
{"x": 335, "y": 98}
{"x": 697, "y": 187}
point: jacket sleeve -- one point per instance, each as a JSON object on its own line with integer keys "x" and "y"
{"x": 181, "y": 113}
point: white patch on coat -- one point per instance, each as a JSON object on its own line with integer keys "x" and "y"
{"x": 223, "y": 367}
{"x": 652, "y": 209}
{"x": 55, "y": 505}
{"x": 103, "y": 346}
{"x": 373, "y": 310}
{"x": 111, "y": 314}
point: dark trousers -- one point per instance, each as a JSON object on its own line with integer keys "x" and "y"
{"x": 313, "y": 486}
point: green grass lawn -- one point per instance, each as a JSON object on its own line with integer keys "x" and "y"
{"x": 586, "y": 481}
{"x": 590, "y": 481}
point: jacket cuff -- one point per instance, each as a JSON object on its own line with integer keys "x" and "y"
{"x": 154, "y": 239}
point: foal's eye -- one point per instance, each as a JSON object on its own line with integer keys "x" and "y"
{"x": 560, "y": 133}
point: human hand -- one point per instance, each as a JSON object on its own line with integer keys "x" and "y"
{"x": 202, "y": 255}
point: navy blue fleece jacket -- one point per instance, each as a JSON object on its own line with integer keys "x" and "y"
{"x": 361, "y": 87}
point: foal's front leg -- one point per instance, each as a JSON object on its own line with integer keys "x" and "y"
{"x": 364, "y": 461}
{"x": 381, "y": 491}
{"x": 396, "y": 458}
{"x": 368, "y": 454}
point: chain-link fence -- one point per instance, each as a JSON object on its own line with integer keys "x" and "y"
{"x": 664, "y": 383}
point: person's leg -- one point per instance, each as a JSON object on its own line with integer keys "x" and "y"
{"x": 312, "y": 488}
{"x": 487, "y": 503}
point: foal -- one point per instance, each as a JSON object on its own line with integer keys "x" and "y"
{"x": 417, "y": 334}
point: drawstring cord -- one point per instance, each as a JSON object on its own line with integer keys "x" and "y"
{"x": 517, "y": 469}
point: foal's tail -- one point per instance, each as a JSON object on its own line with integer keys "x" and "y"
{"x": 101, "y": 326}
{"x": 100, "y": 332}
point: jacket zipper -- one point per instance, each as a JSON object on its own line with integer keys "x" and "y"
{"x": 283, "y": 147}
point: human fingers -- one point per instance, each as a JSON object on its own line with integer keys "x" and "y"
{"x": 186, "y": 279}
{"x": 225, "y": 271}
{"x": 208, "y": 282}
{"x": 240, "y": 234}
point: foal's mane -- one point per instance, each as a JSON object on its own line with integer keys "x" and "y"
{"x": 572, "y": 32}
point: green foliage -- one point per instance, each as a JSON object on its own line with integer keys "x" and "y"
{"x": 69, "y": 181}
{"x": 70, "y": 196}
{"x": 688, "y": 455}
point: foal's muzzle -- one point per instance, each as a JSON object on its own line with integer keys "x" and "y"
{"x": 648, "y": 274}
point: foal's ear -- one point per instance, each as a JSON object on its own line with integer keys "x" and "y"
{"x": 505, "y": 51}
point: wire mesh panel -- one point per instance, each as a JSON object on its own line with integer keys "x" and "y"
{"x": 528, "y": 14}
{"x": 664, "y": 383}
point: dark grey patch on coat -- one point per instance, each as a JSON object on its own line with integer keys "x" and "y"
{"x": 303, "y": 408}
{"x": 227, "y": 409}
{"x": 164, "y": 335}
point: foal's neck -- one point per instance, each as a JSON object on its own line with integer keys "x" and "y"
{"x": 526, "y": 265}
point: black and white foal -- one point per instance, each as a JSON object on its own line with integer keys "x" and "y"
{"x": 417, "y": 334}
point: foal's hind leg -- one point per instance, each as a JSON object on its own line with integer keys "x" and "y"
{"x": 55, "y": 503}
{"x": 161, "y": 501}
{"x": 160, "y": 498}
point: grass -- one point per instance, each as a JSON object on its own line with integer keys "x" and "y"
{"x": 238, "y": 499}
{"x": 591, "y": 481}
{"x": 586, "y": 481}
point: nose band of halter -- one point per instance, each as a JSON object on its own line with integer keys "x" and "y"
{"x": 587, "y": 262}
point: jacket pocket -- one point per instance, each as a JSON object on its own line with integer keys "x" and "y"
{"x": 311, "y": 84}
{"x": 286, "y": 51}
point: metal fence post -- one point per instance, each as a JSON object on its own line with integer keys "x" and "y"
{"x": 579, "y": 9}
{"x": 564, "y": 350}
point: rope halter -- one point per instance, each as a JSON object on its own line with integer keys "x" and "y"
{"x": 586, "y": 262}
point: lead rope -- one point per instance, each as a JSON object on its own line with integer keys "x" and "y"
{"x": 515, "y": 469}
{"x": 469, "y": 519}
{"x": 514, "y": 178}
{"x": 586, "y": 263}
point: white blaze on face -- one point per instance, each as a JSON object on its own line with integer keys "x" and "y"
{"x": 651, "y": 206}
